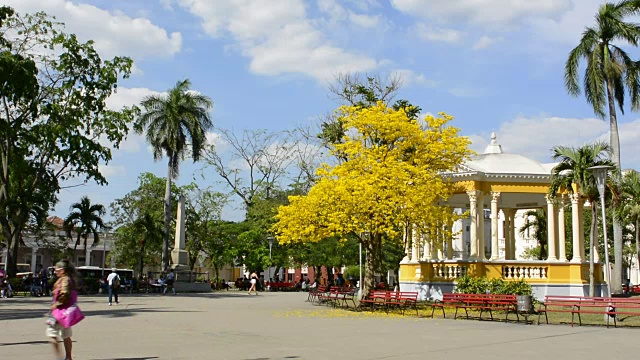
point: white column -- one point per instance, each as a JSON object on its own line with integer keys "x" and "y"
{"x": 449, "y": 239}
{"x": 415, "y": 249}
{"x": 407, "y": 244}
{"x": 440, "y": 243}
{"x": 473, "y": 228}
{"x": 427, "y": 248}
{"x": 507, "y": 233}
{"x": 34, "y": 255}
{"x": 495, "y": 253}
{"x": 512, "y": 233}
{"x": 594, "y": 251}
{"x": 581, "y": 217}
{"x": 481, "y": 239}
{"x": 87, "y": 256}
{"x": 551, "y": 229}
{"x": 575, "y": 223}
{"x": 562, "y": 234}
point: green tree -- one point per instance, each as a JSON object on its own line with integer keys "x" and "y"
{"x": 609, "y": 73}
{"x": 129, "y": 214}
{"x": 535, "y": 225}
{"x": 631, "y": 205}
{"x": 85, "y": 219}
{"x": 176, "y": 125}
{"x": 54, "y": 122}
{"x": 572, "y": 174}
{"x": 203, "y": 211}
{"x": 148, "y": 230}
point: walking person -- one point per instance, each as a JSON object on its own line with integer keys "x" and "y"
{"x": 113, "y": 280}
{"x": 65, "y": 297}
{"x": 253, "y": 281}
{"x": 171, "y": 278}
{"x": 44, "y": 280}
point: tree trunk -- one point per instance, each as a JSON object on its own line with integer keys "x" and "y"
{"x": 369, "y": 270}
{"x": 592, "y": 239}
{"x": 637, "y": 244}
{"x": 141, "y": 260}
{"x": 330, "y": 280}
{"x": 167, "y": 218}
{"x": 12, "y": 256}
{"x": 614, "y": 142}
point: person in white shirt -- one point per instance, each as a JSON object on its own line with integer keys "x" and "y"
{"x": 113, "y": 280}
{"x": 171, "y": 278}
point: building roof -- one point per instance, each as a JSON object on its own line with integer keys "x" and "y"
{"x": 495, "y": 161}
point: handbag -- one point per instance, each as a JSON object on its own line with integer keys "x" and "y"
{"x": 69, "y": 315}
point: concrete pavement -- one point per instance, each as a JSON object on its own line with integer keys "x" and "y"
{"x": 234, "y": 325}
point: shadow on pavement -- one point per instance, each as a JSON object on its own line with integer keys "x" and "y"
{"x": 40, "y": 342}
{"x": 112, "y": 312}
{"x": 136, "y": 358}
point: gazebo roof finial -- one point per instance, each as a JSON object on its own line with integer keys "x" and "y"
{"x": 493, "y": 147}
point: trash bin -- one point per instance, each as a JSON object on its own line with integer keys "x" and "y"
{"x": 525, "y": 303}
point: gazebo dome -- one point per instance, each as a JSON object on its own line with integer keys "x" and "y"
{"x": 494, "y": 161}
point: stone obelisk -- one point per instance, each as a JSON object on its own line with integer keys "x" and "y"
{"x": 179, "y": 254}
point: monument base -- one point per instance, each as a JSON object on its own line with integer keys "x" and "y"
{"x": 180, "y": 257}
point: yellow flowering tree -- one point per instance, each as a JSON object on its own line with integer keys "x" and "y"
{"x": 390, "y": 178}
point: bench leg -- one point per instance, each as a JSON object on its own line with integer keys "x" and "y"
{"x": 455, "y": 316}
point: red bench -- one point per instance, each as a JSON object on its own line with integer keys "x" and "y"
{"x": 314, "y": 292}
{"x": 387, "y": 299}
{"x": 589, "y": 305}
{"x": 479, "y": 302}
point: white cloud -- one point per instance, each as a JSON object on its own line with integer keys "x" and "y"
{"x": 534, "y": 137}
{"x": 128, "y": 97}
{"x": 484, "y": 42}
{"x": 493, "y": 13}
{"x": 432, "y": 33}
{"x": 114, "y": 33}
{"x": 109, "y": 171}
{"x": 277, "y": 36}
{"x": 410, "y": 77}
{"x": 465, "y": 92}
{"x": 365, "y": 21}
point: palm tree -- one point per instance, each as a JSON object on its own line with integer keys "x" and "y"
{"x": 573, "y": 169}
{"x": 85, "y": 219}
{"x": 176, "y": 124}
{"x": 608, "y": 74}
{"x": 536, "y": 225}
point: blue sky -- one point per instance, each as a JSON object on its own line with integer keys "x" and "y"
{"x": 496, "y": 65}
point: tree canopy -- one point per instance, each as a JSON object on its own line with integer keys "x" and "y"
{"x": 392, "y": 176}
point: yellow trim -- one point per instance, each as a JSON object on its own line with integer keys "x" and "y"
{"x": 462, "y": 187}
{"x": 556, "y": 272}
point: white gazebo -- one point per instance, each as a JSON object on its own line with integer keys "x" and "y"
{"x": 496, "y": 188}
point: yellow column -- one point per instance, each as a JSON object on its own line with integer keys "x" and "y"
{"x": 562, "y": 234}
{"x": 575, "y": 225}
{"x": 495, "y": 254}
{"x": 551, "y": 229}
{"x": 473, "y": 228}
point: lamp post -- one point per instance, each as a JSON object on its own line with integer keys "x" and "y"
{"x": 270, "y": 238}
{"x": 600, "y": 174}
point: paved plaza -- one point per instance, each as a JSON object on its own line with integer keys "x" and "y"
{"x": 233, "y": 325}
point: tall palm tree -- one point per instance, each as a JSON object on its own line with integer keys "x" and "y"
{"x": 176, "y": 124}
{"x": 85, "y": 219}
{"x": 608, "y": 74}
{"x": 573, "y": 169}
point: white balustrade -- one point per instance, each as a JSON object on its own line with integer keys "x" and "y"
{"x": 516, "y": 272}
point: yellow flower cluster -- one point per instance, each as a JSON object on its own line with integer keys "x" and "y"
{"x": 391, "y": 177}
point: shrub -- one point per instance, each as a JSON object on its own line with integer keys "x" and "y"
{"x": 481, "y": 285}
